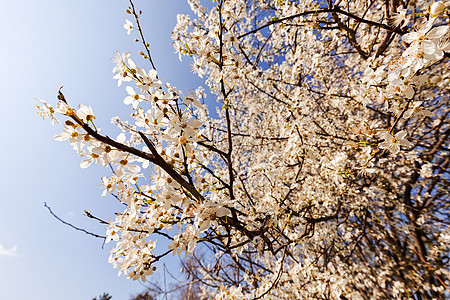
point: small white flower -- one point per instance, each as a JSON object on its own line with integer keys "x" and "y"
{"x": 46, "y": 110}
{"x": 393, "y": 143}
{"x": 426, "y": 170}
{"x": 111, "y": 233}
{"x": 400, "y": 16}
{"x": 85, "y": 113}
{"x": 128, "y": 26}
{"x": 133, "y": 98}
{"x": 120, "y": 70}
{"x": 62, "y": 107}
{"x": 148, "y": 80}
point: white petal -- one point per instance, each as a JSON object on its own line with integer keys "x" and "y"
{"x": 145, "y": 164}
{"x": 204, "y": 225}
{"x": 409, "y": 37}
{"x": 421, "y": 79}
{"x": 128, "y": 100}
{"x": 126, "y": 55}
{"x": 61, "y": 137}
{"x": 98, "y": 150}
{"x": 130, "y": 90}
{"x": 132, "y": 64}
{"x": 428, "y": 47}
{"x": 85, "y": 163}
{"x": 437, "y": 32}
{"x": 223, "y": 211}
{"x": 121, "y": 138}
{"x": 133, "y": 168}
{"x": 401, "y": 134}
{"x": 406, "y": 143}
{"x": 409, "y": 93}
{"x": 152, "y": 74}
{"x": 195, "y": 123}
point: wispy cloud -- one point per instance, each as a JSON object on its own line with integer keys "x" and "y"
{"x": 10, "y": 252}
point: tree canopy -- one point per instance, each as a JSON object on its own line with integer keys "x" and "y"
{"x": 323, "y": 172}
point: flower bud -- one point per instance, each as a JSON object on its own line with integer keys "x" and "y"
{"x": 69, "y": 123}
{"x": 437, "y": 8}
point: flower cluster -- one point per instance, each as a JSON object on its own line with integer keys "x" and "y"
{"x": 321, "y": 174}
{"x": 395, "y": 82}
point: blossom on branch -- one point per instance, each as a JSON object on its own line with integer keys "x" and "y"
{"x": 322, "y": 172}
{"x": 128, "y": 26}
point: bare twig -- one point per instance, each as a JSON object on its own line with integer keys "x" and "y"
{"x": 136, "y": 17}
{"x": 74, "y": 227}
{"x": 329, "y": 10}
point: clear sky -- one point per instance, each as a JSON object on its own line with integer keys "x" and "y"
{"x": 46, "y": 44}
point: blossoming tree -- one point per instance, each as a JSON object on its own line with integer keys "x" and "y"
{"x": 324, "y": 173}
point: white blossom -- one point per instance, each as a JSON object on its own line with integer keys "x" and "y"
{"x": 320, "y": 173}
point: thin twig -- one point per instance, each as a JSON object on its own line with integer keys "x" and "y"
{"x": 74, "y": 227}
{"x": 136, "y": 17}
{"x": 332, "y": 10}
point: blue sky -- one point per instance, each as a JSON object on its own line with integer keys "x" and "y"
{"x": 46, "y": 44}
